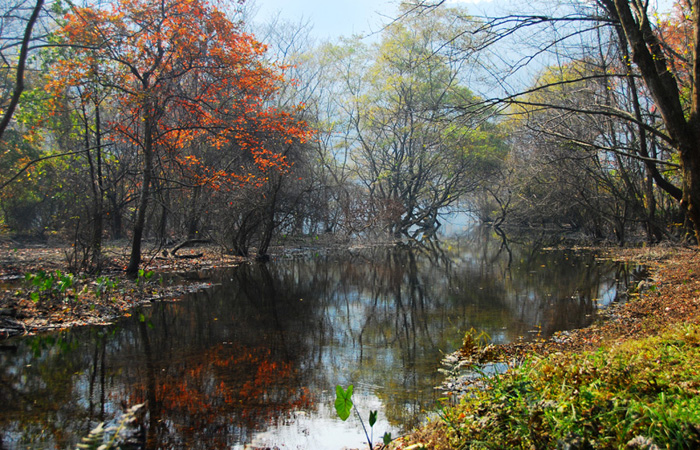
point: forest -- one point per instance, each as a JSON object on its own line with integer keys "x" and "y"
{"x": 181, "y": 121}
{"x": 146, "y": 126}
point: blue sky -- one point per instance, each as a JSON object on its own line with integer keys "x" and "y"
{"x": 331, "y": 18}
{"x": 334, "y": 18}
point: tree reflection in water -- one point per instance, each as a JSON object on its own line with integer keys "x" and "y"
{"x": 255, "y": 358}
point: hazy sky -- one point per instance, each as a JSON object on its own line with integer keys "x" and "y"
{"x": 333, "y": 18}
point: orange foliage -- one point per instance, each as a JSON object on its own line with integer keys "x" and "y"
{"x": 676, "y": 33}
{"x": 228, "y": 380}
{"x": 183, "y": 75}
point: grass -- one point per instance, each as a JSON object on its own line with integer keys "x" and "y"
{"x": 640, "y": 393}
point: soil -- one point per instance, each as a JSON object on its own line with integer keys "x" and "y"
{"x": 82, "y": 304}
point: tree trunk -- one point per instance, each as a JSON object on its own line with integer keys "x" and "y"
{"x": 690, "y": 147}
{"x": 140, "y": 222}
{"x": 269, "y": 221}
{"x": 21, "y": 64}
{"x": 193, "y": 219}
{"x": 648, "y": 55}
{"x": 115, "y": 215}
{"x": 98, "y": 194}
{"x": 690, "y": 160}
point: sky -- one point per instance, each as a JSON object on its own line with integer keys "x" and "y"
{"x": 331, "y": 18}
{"x": 334, "y": 18}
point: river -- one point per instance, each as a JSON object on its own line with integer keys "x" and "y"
{"x": 252, "y": 362}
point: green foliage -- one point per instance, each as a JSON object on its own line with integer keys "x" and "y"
{"x": 45, "y": 197}
{"x": 640, "y": 391}
{"x": 58, "y": 285}
{"x": 344, "y": 406}
{"x": 372, "y": 418}
{"x": 49, "y": 285}
{"x": 104, "y": 285}
{"x": 343, "y": 401}
{"x": 144, "y": 277}
{"x": 424, "y": 139}
{"x": 386, "y": 439}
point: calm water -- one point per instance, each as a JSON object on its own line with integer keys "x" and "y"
{"x": 252, "y": 362}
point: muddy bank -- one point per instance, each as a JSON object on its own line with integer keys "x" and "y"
{"x": 48, "y": 300}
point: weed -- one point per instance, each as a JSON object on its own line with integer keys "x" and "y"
{"x": 344, "y": 406}
{"x": 638, "y": 391}
{"x": 49, "y": 285}
{"x": 104, "y": 285}
{"x": 144, "y": 277}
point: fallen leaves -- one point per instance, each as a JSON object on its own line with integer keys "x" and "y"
{"x": 19, "y": 314}
{"x": 670, "y": 297}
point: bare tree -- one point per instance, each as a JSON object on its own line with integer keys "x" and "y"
{"x": 417, "y": 153}
{"x": 645, "y": 56}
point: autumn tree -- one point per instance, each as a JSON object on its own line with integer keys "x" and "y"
{"x": 417, "y": 151}
{"x": 290, "y": 201}
{"x": 182, "y": 76}
{"x": 656, "y": 67}
{"x": 329, "y": 81}
{"x": 650, "y": 53}
{"x": 585, "y": 171}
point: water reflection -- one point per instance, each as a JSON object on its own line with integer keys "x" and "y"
{"x": 252, "y": 361}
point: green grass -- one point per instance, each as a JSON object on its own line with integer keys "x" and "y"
{"x": 646, "y": 391}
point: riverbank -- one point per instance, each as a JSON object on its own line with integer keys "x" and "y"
{"x": 599, "y": 377}
{"x": 38, "y": 294}
{"x": 631, "y": 380}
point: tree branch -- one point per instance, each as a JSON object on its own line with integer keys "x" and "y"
{"x": 31, "y": 163}
{"x": 21, "y": 63}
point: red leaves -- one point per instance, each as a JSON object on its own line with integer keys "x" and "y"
{"x": 182, "y": 68}
{"x": 230, "y": 379}
{"x": 676, "y": 32}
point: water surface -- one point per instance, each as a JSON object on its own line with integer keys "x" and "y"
{"x": 252, "y": 362}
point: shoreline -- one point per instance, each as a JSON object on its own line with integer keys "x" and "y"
{"x": 626, "y": 342}
{"x": 669, "y": 297}
{"x": 20, "y": 315}
{"x": 94, "y": 300}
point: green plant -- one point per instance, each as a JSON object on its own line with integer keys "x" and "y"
{"x": 344, "y": 406}
{"x": 447, "y": 415}
{"x": 636, "y": 391}
{"x": 65, "y": 281}
{"x": 46, "y": 285}
{"x": 104, "y": 285}
{"x": 144, "y": 276}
